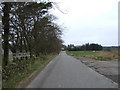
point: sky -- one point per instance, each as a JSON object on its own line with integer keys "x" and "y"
{"x": 88, "y": 21}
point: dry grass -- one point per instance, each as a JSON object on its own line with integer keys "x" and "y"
{"x": 105, "y": 55}
{"x": 21, "y": 75}
{"x": 99, "y": 55}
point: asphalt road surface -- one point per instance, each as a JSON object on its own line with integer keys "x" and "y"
{"x": 65, "y": 71}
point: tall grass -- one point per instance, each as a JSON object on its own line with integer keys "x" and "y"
{"x": 97, "y": 55}
{"x": 15, "y": 72}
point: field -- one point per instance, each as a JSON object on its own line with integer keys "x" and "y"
{"x": 97, "y": 55}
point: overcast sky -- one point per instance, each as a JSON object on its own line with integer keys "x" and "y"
{"x": 88, "y": 21}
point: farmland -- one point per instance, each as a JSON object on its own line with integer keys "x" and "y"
{"x": 97, "y": 55}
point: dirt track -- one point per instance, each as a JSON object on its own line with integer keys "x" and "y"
{"x": 108, "y": 68}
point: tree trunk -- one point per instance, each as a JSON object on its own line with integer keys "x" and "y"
{"x": 5, "y": 21}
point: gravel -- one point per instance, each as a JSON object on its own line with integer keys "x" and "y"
{"x": 107, "y": 68}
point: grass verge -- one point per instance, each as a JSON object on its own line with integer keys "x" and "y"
{"x": 38, "y": 64}
{"x": 97, "y": 55}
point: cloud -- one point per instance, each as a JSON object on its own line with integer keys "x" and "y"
{"x": 89, "y": 21}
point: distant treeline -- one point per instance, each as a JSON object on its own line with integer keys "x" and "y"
{"x": 85, "y": 47}
{"x": 89, "y": 47}
{"x": 110, "y": 48}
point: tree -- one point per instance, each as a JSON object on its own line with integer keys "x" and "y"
{"x": 84, "y": 47}
{"x": 6, "y": 26}
{"x": 95, "y": 47}
{"x": 23, "y": 21}
{"x": 31, "y": 29}
{"x": 91, "y": 47}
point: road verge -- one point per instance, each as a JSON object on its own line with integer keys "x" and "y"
{"x": 23, "y": 78}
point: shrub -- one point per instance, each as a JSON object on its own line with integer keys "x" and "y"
{"x": 15, "y": 68}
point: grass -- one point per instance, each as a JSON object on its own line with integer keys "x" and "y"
{"x": 97, "y": 55}
{"x": 81, "y": 53}
{"x": 38, "y": 64}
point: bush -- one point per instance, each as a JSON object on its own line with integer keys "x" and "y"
{"x": 15, "y": 68}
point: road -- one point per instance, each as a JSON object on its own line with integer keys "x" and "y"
{"x": 65, "y": 71}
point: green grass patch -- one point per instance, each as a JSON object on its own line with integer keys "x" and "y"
{"x": 20, "y": 75}
{"x": 82, "y": 53}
